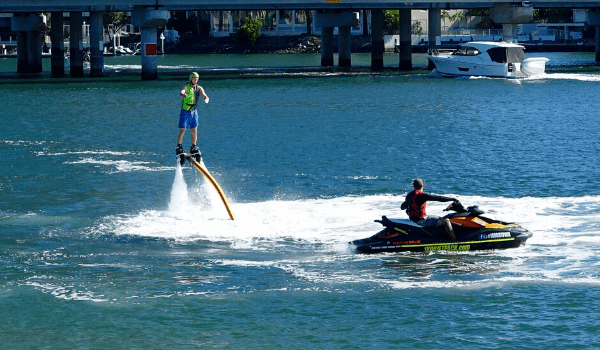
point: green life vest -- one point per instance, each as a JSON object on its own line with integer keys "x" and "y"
{"x": 190, "y": 98}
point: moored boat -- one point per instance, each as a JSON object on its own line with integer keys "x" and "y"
{"x": 487, "y": 58}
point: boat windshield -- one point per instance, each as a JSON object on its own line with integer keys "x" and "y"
{"x": 506, "y": 54}
{"x": 466, "y": 51}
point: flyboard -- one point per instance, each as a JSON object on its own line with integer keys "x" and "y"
{"x": 195, "y": 161}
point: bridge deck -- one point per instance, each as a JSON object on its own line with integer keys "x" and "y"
{"x": 127, "y": 5}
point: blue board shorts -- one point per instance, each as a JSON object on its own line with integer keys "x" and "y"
{"x": 187, "y": 119}
{"x": 429, "y": 221}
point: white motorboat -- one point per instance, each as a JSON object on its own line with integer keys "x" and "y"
{"x": 123, "y": 51}
{"x": 488, "y": 58}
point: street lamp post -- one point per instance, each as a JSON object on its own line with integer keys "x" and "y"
{"x": 162, "y": 43}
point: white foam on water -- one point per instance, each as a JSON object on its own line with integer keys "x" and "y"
{"x": 591, "y": 77}
{"x": 554, "y": 221}
{"x": 68, "y": 292}
{"x": 564, "y": 245}
{"x": 119, "y": 166}
{"x": 97, "y": 152}
{"x": 566, "y": 76}
{"x": 109, "y": 161}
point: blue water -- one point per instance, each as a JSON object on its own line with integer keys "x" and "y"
{"x": 106, "y": 243}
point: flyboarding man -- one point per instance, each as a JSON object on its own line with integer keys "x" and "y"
{"x": 188, "y": 117}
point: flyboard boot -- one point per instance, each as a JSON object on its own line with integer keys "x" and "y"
{"x": 195, "y": 152}
{"x": 179, "y": 153}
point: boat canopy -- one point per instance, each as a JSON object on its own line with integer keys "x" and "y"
{"x": 507, "y": 54}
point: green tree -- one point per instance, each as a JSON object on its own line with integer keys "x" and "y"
{"x": 456, "y": 17}
{"x": 417, "y": 28}
{"x": 249, "y": 31}
{"x": 553, "y": 15}
{"x": 118, "y": 19}
{"x": 391, "y": 22}
{"x": 485, "y": 21}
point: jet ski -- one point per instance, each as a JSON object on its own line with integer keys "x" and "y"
{"x": 473, "y": 231}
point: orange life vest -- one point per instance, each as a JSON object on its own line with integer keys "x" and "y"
{"x": 416, "y": 212}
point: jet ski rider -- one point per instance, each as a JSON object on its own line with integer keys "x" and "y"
{"x": 415, "y": 204}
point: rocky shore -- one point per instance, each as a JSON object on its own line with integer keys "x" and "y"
{"x": 265, "y": 44}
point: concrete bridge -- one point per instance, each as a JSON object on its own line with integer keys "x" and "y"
{"x": 212, "y": 5}
{"x": 150, "y": 15}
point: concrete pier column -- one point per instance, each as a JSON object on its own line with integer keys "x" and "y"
{"x": 326, "y": 46}
{"x": 405, "y": 40}
{"x": 22, "y": 52}
{"x": 29, "y": 29}
{"x": 57, "y": 62}
{"x": 377, "y": 45}
{"x": 344, "y": 47}
{"x": 434, "y": 30}
{"x": 96, "y": 44}
{"x": 34, "y": 51}
{"x": 149, "y": 19}
{"x": 509, "y": 16}
{"x": 598, "y": 43}
{"x": 327, "y": 21}
{"x": 510, "y": 32}
{"x": 76, "y": 45}
{"x": 149, "y": 51}
{"x": 594, "y": 20}
{"x": 365, "y": 23}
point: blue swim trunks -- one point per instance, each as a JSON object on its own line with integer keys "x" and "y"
{"x": 187, "y": 119}
{"x": 429, "y": 221}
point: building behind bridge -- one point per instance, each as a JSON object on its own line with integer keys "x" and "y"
{"x": 192, "y": 24}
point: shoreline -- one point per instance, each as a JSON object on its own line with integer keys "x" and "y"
{"x": 274, "y": 46}
{"x": 312, "y": 44}
{"x": 245, "y": 73}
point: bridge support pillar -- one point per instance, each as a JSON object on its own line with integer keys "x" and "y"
{"x": 76, "y": 45}
{"x": 57, "y": 62}
{"x": 344, "y": 20}
{"x": 344, "y": 47}
{"x": 149, "y": 54}
{"x": 509, "y": 16}
{"x": 22, "y": 52}
{"x": 405, "y": 40}
{"x": 377, "y": 45}
{"x": 96, "y": 44}
{"x": 149, "y": 20}
{"x": 598, "y": 43}
{"x": 510, "y": 32}
{"x": 434, "y": 17}
{"x": 594, "y": 20}
{"x": 326, "y": 46}
{"x": 29, "y": 29}
{"x": 34, "y": 51}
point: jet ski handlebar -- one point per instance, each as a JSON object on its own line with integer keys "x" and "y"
{"x": 456, "y": 206}
{"x": 459, "y": 208}
{"x": 385, "y": 221}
